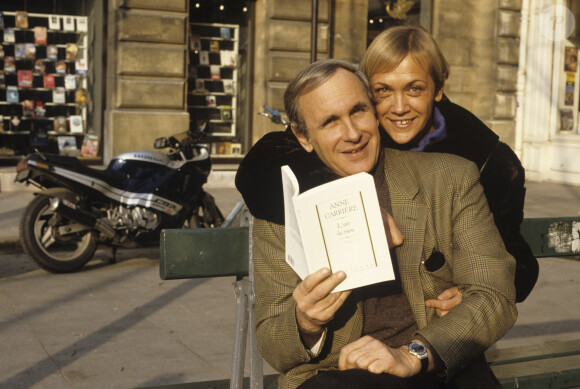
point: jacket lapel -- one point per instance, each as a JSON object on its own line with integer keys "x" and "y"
{"x": 410, "y": 214}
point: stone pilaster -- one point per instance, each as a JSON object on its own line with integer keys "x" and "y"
{"x": 146, "y": 85}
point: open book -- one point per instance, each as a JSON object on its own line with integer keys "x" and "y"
{"x": 337, "y": 225}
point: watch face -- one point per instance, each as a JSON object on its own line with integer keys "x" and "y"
{"x": 417, "y": 349}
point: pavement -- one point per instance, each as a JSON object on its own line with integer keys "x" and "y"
{"x": 121, "y": 326}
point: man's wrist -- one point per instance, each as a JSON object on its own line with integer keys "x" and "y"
{"x": 421, "y": 354}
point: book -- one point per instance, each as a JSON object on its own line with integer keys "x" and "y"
{"x": 67, "y": 145}
{"x": 81, "y": 96}
{"x": 60, "y": 124}
{"x": 39, "y": 66}
{"x": 58, "y": 95}
{"x": 228, "y": 86}
{"x": 9, "y": 35}
{"x": 24, "y": 78}
{"x": 215, "y": 72}
{"x": 60, "y": 66}
{"x": 28, "y": 108}
{"x": 70, "y": 82}
{"x": 339, "y": 226}
{"x": 81, "y": 66}
{"x": 210, "y": 100}
{"x": 9, "y": 64}
{"x": 236, "y": 148}
{"x": 225, "y": 32}
{"x": 72, "y": 51}
{"x": 54, "y": 22}
{"x": 90, "y": 147}
{"x": 76, "y": 123}
{"x": 214, "y": 47}
{"x": 12, "y": 94}
{"x": 204, "y": 57}
{"x": 40, "y": 110}
{"x": 82, "y": 23}
{"x": 21, "y": 19}
{"x": 51, "y": 52}
{"x": 19, "y": 51}
{"x": 49, "y": 81}
{"x": 200, "y": 85}
{"x": 228, "y": 58}
{"x": 29, "y": 51}
{"x": 68, "y": 23}
{"x": 40, "y": 35}
{"x": 195, "y": 42}
{"x": 226, "y": 112}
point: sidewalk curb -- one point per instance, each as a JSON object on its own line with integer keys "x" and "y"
{"x": 10, "y": 246}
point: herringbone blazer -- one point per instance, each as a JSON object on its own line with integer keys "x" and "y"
{"x": 439, "y": 205}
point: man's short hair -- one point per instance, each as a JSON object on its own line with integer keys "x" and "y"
{"x": 391, "y": 47}
{"x": 310, "y": 78}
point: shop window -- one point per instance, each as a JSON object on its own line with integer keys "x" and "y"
{"x": 47, "y": 79}
{"x": 569, "y": 95}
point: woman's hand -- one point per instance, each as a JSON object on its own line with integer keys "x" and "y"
{"x": 445, "y": 301}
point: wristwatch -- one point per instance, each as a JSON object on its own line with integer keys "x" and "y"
{"x": 420, "y": 351}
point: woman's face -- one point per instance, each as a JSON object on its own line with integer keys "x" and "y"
{"x": 405, "y": 98}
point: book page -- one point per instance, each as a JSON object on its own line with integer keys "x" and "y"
{"x": 295, "y": 256}
{"x": 342, "y": 229}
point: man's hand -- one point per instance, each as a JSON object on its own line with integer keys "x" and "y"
{"x": 445, "y": 301}
{"x": 315, "y": 305}
{"x": 373, "y": 355}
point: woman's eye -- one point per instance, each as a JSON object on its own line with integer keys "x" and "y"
{"x": 415, "y": 90}
{"x": 381, "y": 92}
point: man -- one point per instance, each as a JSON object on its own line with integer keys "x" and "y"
{"x": 383, "y": 335}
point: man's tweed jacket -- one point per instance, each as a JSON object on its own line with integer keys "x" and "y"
{"x": 438, "y": 204}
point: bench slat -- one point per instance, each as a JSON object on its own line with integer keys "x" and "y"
{"x": 534, "y": 352}
{"x": 205, "y": 252}
{"x": 562, "y": 372}
{"x": 553, "y": 237}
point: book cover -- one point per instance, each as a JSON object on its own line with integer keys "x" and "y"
{"x": 214, "y": 47}
{"x": 81, "y": 66}
{"x": 60, "y": 66}
{"x": 200, "y": 85}
{"x": 68, "y": 23}
{"x": 81, "y": 96}
{"x": 40, "y": 110}
{"x": 51, "y": 52}
{"x": 40, "y": 35}
{"x": 90, "y": 147}
{"x": 19, "y": 51}
{"x": 9, "y": 64}
{"x": 82, "y": 23}
{"x": 21, "y": 19}
{"x": 210, "y": 100}
{"x": 72, "y": 51}
{"x": 60, "y": 124}
{"x": 203, "y": 57}
{"x": 228, "y": 58}
{"x": 70, "y": 82}
{"x": 236, "y": 148}
{"x": 9, "y": 35}
{"x": 54, "y": 22}
{"x": 39, "y": 66}
{"x": 228, "y": 86}
{"x": 215, "y": 72}
{"x": 58, "y": 95}
{"x": 12, "y": 94}
{"x": 195, "y": 42}
{"x": 76, "y": 123}
{"x": 28, "y": 108}
{"x": 29, "y": 51}
{"x": 225, "y": 32}
{"x": 339, "y": 226}
{"x": 24, "y": 78}
{"x": 226, "y": 112}
{"x": 67, "y": 145}
{"x": 49, "y": 81}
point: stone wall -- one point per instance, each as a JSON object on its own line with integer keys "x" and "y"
{"x": 282, "y": 45}
{"x": 480, "y": 39}
{"x": 146, "y": 75}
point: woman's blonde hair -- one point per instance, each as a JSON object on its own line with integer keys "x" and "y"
{"x": 391, "y": 46}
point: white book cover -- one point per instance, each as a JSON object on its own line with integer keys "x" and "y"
{"x": 70, "y": 82}
{"x": 54, "y": 22}
{"x": 228, "y": 58}
{"x": 76, "y": 123}
{"x": 82, "y": 23}
{"x": 58, "y": 95}
{"x": 337, "y": 225}
{"x": 68, "y": 23}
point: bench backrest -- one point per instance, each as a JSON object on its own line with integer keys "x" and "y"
{"x": 553, "y": 237}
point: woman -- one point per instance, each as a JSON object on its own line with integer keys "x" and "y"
{"x": 407, "y": 72}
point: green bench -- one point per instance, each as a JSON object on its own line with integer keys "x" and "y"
{"x": 224, "y": 252}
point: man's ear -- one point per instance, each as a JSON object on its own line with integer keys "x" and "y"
{"x": 302, "y": 138}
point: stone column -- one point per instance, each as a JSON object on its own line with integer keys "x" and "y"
{"x": 146, "y": 73}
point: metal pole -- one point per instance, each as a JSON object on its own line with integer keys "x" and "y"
{"x": 314, "y": 33}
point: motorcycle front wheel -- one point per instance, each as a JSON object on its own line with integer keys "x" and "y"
{"x": 54, "y": 243}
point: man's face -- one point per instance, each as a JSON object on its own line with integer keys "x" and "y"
{"x": 405, "y": 99}
{"x": 342, "y": 124}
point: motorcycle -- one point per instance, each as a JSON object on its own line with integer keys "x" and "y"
{"x": 125, "y": 205}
